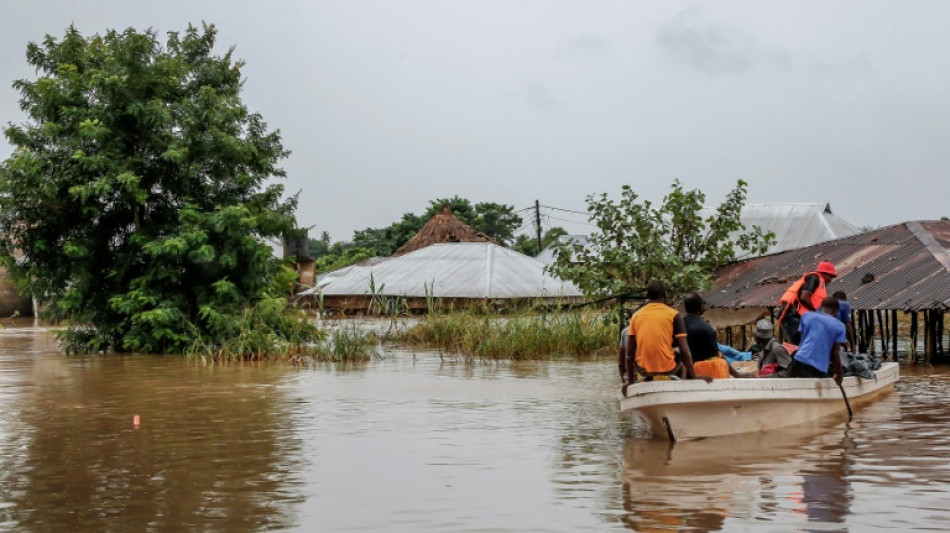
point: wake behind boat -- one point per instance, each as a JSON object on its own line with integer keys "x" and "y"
{"x": 693, "y": 409}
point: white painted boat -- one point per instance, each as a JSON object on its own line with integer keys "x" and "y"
{"x": 693, "y": 409}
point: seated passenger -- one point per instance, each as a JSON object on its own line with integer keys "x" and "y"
{"x": 654, "y": 328}
{"x": 701, "y": 338}
{"x": 773, "y": 357}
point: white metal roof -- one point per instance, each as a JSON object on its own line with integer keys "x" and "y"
{"x": 329, "y": 277}
{"x": 456, "y": 270}
{"x": 795, "y": 225}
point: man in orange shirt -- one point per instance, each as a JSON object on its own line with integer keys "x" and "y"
{"x": 654, "y": 328}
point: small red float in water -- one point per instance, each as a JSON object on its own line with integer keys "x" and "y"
{"x": 136, "y": 421}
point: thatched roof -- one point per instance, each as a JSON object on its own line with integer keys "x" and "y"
{"x": 442, "y": 227}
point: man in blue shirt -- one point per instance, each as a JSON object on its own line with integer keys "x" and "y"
{"x": 844, "y": 315}
{"x": 822, "y": 337}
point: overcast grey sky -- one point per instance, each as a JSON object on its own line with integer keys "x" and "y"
{"x": 388, "y": 104}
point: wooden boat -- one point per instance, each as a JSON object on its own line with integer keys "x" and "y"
{"x": 693, "y": 409}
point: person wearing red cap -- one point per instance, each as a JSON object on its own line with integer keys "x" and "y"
{"x": 803, "y": 296}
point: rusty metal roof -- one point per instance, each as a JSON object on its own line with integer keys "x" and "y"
{"x": 905, "y": 266}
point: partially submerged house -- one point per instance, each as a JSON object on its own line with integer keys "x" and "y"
{"x": 454, "y": 274}
{"x": 329, "y": 277}
{"x": 900, "y": 271}
{"x": 446, "y": 262}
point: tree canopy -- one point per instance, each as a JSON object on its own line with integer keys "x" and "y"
{"x": 528, "y": 245}
{"x": 637, "y": 241}
{"x": 140, "y": 192}
{"x": 498, "y": 221}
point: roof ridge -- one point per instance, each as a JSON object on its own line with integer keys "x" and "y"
{"x": 928, "y": 240}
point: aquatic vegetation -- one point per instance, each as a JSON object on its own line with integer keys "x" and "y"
{"x": 527, "y": 335}
{"x": 349, "y": 343}
{"x": 267, "y": 330}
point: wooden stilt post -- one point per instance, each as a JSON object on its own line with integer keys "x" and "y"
{"x": 881, "y": 326}
{"x": 939, "y": 330}
{"x": 928, "y": 334}
{"x": 862, "y": 345}
{"x": 894, "y": 332}
{"x": 913, "y": 337}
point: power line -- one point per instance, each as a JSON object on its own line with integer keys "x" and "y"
{"x": 566, "y": 210}
{"x": 551, "y": 217}
{"x": 523, "y": 226}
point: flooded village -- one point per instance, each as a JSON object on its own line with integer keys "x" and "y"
{"x": 567, "y": 309}
{"x": 265, "y": 446}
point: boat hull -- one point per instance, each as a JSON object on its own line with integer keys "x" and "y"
{"x": 692, "y": 409}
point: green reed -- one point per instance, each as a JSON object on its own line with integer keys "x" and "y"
{"x": 526, "y": 335}
{"x": 348, "y": 343}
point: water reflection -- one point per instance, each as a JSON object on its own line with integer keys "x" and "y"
{"x": 212, "y": 443}
{"x": 800, "y": 475}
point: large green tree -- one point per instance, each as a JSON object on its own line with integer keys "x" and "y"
{"x": 498, "y": 221}
{"x": 637, "y": 241}
{"x": 140, "y": 192}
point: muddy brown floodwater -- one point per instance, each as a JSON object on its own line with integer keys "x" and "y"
{"x": 414, "y": 443}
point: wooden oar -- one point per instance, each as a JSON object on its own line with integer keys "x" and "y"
{"x": 846, "y": 402}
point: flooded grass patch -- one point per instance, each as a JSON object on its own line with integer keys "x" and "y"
{"x": 258, "y": 336}
{"x": 527, "y": 335}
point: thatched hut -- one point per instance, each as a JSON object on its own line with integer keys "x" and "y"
{"x": 442, "y": 227}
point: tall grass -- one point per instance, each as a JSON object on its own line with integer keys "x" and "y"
{"x": 348, "y": 343}
{"x": 285, "y": 334}
{"x": 527, "y": 335}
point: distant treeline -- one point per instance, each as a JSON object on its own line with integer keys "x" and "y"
{"x": 499, "y": 221}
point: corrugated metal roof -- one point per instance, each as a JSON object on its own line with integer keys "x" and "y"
{"x": 905, "y": 267}
{"x": 328, "y": 277}
{"x": 795, "y": 224}
{"x": 456, "y": 270}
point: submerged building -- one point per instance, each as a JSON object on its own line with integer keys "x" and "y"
{"x": 896, "y": 278}
{"x": 454, "y": 274}
{"x": 447, "y": 262}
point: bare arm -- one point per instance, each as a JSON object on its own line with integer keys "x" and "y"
{"x": 836, "y": 363}
{"x": 850, "y": 332}
{"x": 807, "y": 291}
{"x": 622, "y": 357}
{"x": 630, "y": 360}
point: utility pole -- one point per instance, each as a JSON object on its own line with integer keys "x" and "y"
{"x": 537, "y": 221}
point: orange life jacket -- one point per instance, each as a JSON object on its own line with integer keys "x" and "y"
{"x": 791, "y": 295}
